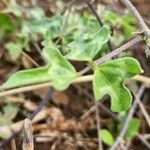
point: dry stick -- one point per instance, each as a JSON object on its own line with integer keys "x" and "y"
{"x": 143, "y": 140}
{"x": 99, "y": 21}
{"x": 37, "y": 47}
{"x": 30, "y": 59}
{"x": 134, "y": 11}
{"x": 113, "y": 53}
{"x": 41, "y": 105}
{"x": 145, "y": 113}
{"x": 128, "y": 119}
{"x": 100, "y": 145}
{"x": 28, "y": 135}
{"x": 13, "y": 145}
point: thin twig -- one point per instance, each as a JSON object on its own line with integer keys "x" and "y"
{"x": 143, "y": 140}
{"x": 86, "y": 78}
{"x": 113, "y": 53}
{"x": 41, "y": 105}
{"x": 13, "y": 144}
{"x": 30, "y": 59}
{"x": 128, "y": 119}
{"x": 100, "y": 145}
{"x": 139, "y": 18}
{"x": 37, "y": 47}
{"x": 145, "y": 113}
{"x": 28, "y": 135}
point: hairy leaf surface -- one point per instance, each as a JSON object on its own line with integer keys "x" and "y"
{"x": 86, "y": 47}
{"x": 61, "y": 71}
{"x": 26, "y": 77}
{"x": 109, "y": 79}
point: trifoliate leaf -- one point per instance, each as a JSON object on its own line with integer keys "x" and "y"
{"x": 26, "y": 77}
{"x": 106, "y": 137}
{"x": 86, "y": 48}
{"x": 109, "y": 79}
{"x": 60, "y": 71}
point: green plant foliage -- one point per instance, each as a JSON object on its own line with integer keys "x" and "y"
{"x": 106, "y": 137}
{"x": 9, "y": 113}
{"x": 133, "y": 128}
{"x": 27, "y": 77}
{"x": 86, "y": 47}
{"x": 60, "y": 71}
{"x": 109, "y": 79}
{"x": 5, "y": 22}
{"x": 125, "y": 22}
{"x": 50, "y": 25}
{"x": 6, "y": 25}
{"x": 14, "y": 8}
{"x": 14, "y": 49}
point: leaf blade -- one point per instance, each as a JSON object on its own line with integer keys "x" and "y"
{"x": 86, "y": 48}
{"x": 26, "y": 77}
{"x": 109, "y": 79}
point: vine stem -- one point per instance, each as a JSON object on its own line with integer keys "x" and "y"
{"x": 134, "y": 11}
{"x": 86, "y": 78}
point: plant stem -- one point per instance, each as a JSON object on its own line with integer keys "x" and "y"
{"x": 86, "y": 78}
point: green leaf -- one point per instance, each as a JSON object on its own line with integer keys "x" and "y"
{"x": 109, "y": 79}
{"x": 36, "y": 13}
{"x": 133, "y": 128}
{"x": 14, "y": 49}
{"x": 9, "y": 113}
{"x": 26, "y": 77}
{"x": 85, "y": 48}
{"x": 55, "y": 26}
{"x": 60, "y": 71}
{"x": 106, "y": 137}
{"x": 5, "y": 23}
